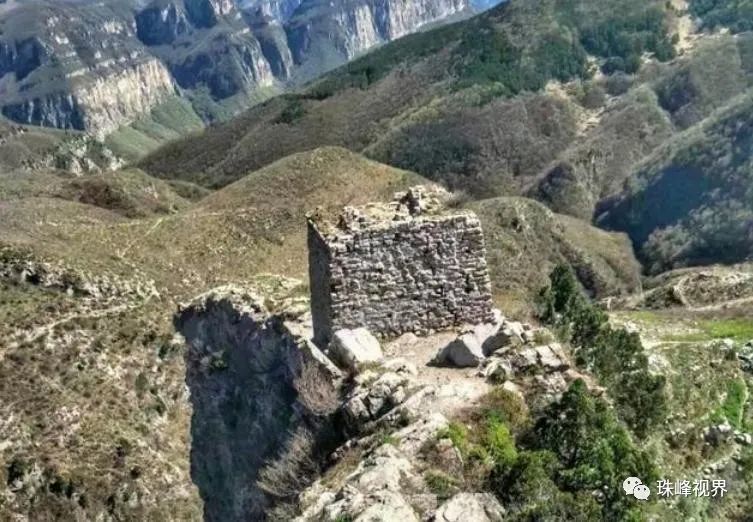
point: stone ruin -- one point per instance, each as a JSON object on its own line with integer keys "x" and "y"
{"x": 412, "y": 265}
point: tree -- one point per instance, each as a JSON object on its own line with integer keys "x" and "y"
{"x": 614, "y": 355}
{"x": 577, "y": 447}
{"x": 594, "y": 449}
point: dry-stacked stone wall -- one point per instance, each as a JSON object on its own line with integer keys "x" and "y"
{"x": 396, "y": 269}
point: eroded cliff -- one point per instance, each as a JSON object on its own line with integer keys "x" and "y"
{"x": 261, "y": 393}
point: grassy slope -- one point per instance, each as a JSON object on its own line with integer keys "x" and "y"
{"x": 128, "y": 192}
{"x": 96, "y": 409}
{"x": 525, "y": 240}
{"x": 252, "y": 226}
{"x": 255, "y": 225}
{"x": 414, "y": 103}
{"x": 168, "y": 121}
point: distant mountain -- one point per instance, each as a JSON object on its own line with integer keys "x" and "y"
{"x": 561, "y": 101}
{"x": 463, "y": 104}
{"x": 96, "y": 66}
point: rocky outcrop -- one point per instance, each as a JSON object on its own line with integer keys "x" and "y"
{"x": 704, "y": 288}
{"x": 116, "y": 99}
{"x": 21, "y": 57}
{"x": 404, "y": 17}
{"x": 59, "y": 110}
{"x": 161, "y": 23}
{"x": 205, "y": 13}
{"x": 274, "y": 46}
{"x": 479, "y": 507}
{"x": 358, "y": 26}
{"x": 259, "y": 391}
{"x": 231, "y": 64}
{"x": 98, "y": 101}
{"x": 19, "y": 267}
{"x": 279, "y": 10}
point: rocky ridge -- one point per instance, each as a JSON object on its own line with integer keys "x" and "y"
{"x": 393, "y": 395}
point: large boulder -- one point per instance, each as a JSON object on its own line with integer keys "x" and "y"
{"x": 476, "y": 507}
{"x": 463, "y": 352}
{"x": 377, "y": 490}
{"x": 551, "y": 357}
{"x": 351, "y": 348}
{"x": 510, "y": 334}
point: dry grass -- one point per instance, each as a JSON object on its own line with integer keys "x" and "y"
{"x": 524, "y": 241}
{"x": 288, "y": 474}
{"x": 316, "y": 391}
{"x": 256, "y": 225}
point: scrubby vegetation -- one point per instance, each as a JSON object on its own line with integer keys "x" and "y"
{"x": 735, "y": 14}
{"x": 566, "y": 462}
{"x": 525, "y": 240}
{"x": 690, "y": 202}
{"x": 614, "y": 355}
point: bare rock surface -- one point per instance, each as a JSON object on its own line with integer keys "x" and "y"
{"x": 467, "y": 507}
{"x": 463, "y": 352}
{"x": 353, "y": 347}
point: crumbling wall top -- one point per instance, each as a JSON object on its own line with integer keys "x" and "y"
{"x": 418, "y": 202}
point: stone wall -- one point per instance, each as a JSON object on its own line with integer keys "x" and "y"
{"x": 397, "y": 270}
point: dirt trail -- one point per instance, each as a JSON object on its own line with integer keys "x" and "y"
{"x": 684, "y": 27}
{"x": 31, "y": 336}
{"x": 456, "y": 388}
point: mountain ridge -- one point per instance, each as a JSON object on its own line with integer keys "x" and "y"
{"x": 98, "y": 66}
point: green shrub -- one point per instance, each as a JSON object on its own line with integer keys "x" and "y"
{"x": 458, "y": 434}
{"x": 293, "y": 111}
{"x": 441, "y": 484}
{"x": 614, "y": 355}
{"x": 506, "y": 406}
{"x": 733, "y": 407}
{"x": 500, "y": 444}
{"x": 735, "y": 14}
{"x": 578, "y": 446}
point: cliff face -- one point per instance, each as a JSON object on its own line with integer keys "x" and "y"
{"x": 107, "y": 102}
{"x": 77, "y": 69}
{"x": 246, "y": 370}
{"x": 161, "y": 24}
{"x": 355, "y": 27}
{"x": 99, "y": 103}
{"x": 96, "y": 66}
{"x": 280, "y": 10}
{"x": 404, "y": 17}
